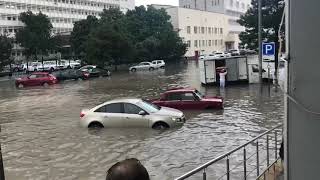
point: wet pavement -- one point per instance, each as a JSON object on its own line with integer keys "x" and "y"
{"x": 41, "y": 137}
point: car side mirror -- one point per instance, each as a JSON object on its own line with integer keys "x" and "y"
{"x": 142, "y": 113}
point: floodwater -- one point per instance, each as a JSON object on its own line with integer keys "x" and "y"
{"x": 41, "y": 137}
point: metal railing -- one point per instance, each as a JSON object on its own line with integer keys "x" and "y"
{"x": 261, "y": 147}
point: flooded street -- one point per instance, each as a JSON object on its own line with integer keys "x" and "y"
{"x": 42, "y": 139}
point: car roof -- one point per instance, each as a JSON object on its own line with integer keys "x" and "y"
{"x": 124, "y": 100}
{"x": 45, "y": 73}
{"x": 180, "y": 90}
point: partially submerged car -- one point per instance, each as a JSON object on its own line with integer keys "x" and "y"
{"x": 131, "y": 113}
{"x": 188, "y": 98}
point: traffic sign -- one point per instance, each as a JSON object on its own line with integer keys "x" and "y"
{"x": 268, "y": 50}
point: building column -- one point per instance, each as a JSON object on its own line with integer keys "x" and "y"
{"x": 302, "y": 126}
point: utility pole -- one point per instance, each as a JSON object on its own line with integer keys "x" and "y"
{"x": 260, "y": 38}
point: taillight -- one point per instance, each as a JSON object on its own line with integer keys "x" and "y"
{"x": 82, "y": 114}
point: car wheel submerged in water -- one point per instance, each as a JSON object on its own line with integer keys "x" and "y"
{"x": 133, "y": 69}
{"x": 151, "y": 69}
{"x": 95, "y": 125}
{"x": 45, "y": 84}
{"x": 160, "y": 126}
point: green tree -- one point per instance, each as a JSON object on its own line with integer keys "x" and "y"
{"x": 5, "y": 51}
{"x": 272, "y": 11}
{"x": 80, "y": 34}
{"x": 107, "y": 44}
{"x": 35, "y": 36}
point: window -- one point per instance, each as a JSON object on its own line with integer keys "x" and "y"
{"x": 174, "y": 97}
{"x": 209, "y": 30}
{"x": 221, "y": 42}
{"x": 216, "y": 42}
{"x": 209, "y": 42}
{"x": 189, "y": 43}
{"x": 111, "y": 108}
{"x": 188, "y": 29}
{"x": 237, "y": 5}
{"x": 221, "y": 31}
{"x": 187, "y": 97}
{"x": 231, "y": 3}
{"x": 33, "y": 76}
{"x": 195, "y": 30}
{"x": 203, "y": 43}
{"x": 131, "y": 109}
{"x": 215, "y": 30}
{"x": 199, "y": 43}
{"x": 202, "y": 30}
{"x": 195, "y": 43}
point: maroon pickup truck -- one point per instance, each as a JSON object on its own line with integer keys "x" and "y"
{"x": 188, "y": 98}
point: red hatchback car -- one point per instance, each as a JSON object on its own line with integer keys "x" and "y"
{"x": 36, "y": 79}
{"x": 182, "y": 98}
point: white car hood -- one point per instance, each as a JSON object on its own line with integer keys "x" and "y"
{"x": 165, "y": 111}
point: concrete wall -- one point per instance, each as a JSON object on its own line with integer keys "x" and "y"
{"x": 303, "y": 126}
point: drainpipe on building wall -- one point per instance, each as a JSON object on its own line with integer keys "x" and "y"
{"x": 205, "y": 5}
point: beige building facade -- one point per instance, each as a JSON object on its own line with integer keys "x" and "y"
{"x": 204, "y": 32}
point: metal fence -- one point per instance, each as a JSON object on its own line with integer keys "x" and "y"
{"x": 248, "y": 161}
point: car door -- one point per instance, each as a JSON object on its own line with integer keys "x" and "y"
{"x": 173, "y": 100}
{"x": 190, "y": 101}
{"x": 111, "y": 115}
{"x": 32, "y": 80}
{"x": 132, "y": 117}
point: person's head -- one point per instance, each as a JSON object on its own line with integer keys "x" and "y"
{"x": 129, "y": 169}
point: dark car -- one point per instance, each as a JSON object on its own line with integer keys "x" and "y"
{"x": 188, "y": 98}
{"x": 36, "y": 79}
{"x": 96, "y": 72}
{"x": 71, "y": 74}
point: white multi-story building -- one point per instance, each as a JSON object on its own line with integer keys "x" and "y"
{"x": 203, "y": 31}
{"x": 233, "y": 9}
{"x": 62, "y": 13}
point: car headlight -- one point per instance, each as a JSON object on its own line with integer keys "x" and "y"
{"x": 177, "y": 119}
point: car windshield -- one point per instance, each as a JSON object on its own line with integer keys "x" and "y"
{"x": 199, "y": 94}
{"x": 151, "y": 108}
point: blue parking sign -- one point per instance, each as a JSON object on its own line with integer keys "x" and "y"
{"x": 268, "y": 49}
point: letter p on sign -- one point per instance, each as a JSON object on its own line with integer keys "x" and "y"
{"x": 268, "y": 49}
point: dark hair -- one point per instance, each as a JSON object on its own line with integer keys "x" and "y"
{"x": 129, "y": 169}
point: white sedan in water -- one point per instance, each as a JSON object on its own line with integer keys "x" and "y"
{"x": 143, "y": 66}
{"x": 131, "y": 113}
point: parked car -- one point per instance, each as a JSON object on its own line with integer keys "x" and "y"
{"x": 36, "y": 79}
{"x": 159, "y": 63}
{"x": 31, "y": 67}
{"x": 234, "y": 52}
{"x": 87, "y": 67}
{"x": 96, "y": 72}
{"x": 247, "y": 52}
{"x": 50, "y": 66}
{"x": 219, "y": 55}
{"x": 202, "y": 57}
{"x": 71, "y": 64}
{"x": 71, "y": 74}
{"x": 131, "y": 113}
{"x": 143, "y": 66}
{"x": 188, "y": 98}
